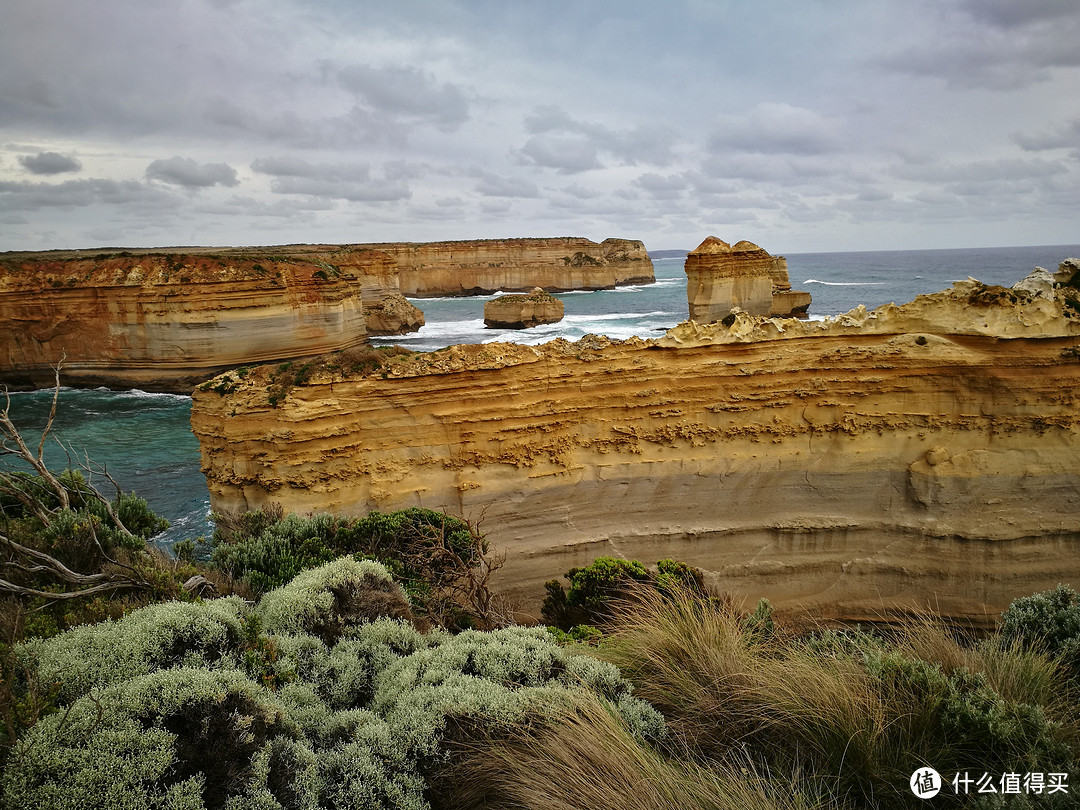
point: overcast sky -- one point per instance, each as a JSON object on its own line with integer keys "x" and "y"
{"x": 801, "y": 125}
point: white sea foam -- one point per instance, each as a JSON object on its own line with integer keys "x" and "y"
{"x": 845, "y": 283}
{"x": 137, "y": 393}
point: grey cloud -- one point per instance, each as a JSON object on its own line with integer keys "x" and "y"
{"x": 565, "y": 154}
{"x": 772, "y": 128}
{"x": 407, "y": 91}
{"x": 564, "y": 143}
{"x": 491, "y": 185}
{"x": 180, "y": 171}
{"x": 1064, "y": 136}
{"x": 356, "y": 126}
{"x": 279, "y": 209}
{"x": 1012, "y": 14}
{"x": 290, "y": 166}
{"x": 661, "y": 187}
{"x": 1011, "y": 169}
{"x": 786, "y": 170}
{"x": 49, "y": 163}
{"x": 345, "y": 181}
{"x": 994, "y": 44}
{"x": 27, "y": 195}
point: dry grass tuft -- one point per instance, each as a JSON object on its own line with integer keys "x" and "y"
{"x": 590, "y": 759}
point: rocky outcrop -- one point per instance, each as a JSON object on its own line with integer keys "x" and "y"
{"x": 166, "y": 321}
{"x": 485, "y": 266}
{"x": 914, "y": 456}
{"x": 522, "y": 311}
{"x": 722, "y": 277}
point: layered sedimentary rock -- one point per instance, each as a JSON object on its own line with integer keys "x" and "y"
{"x": 484, "y": 266}
{"x": 923, "y": 455}
{"x": 722, "y": 277}
{"x": 786, "y": 302}
{"x": 522, "y": 311}
{"x": 386, "y": 311}
{"x": 166, "y": 321}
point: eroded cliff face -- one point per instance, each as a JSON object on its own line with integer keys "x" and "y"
{"x": 166, "y": 321}
{"x": 484, "y": 266}
{"x": 723, "y": 277}
{"x": 924, "y": 455}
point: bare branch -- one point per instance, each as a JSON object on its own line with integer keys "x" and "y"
{"x": 105, "y": 587}
{"x": 52, "y": 409}
{"x": 12, "y": 434}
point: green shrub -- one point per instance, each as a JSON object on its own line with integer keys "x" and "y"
{"x": 595, "y": 588}
{"x": 441, "y": 562}
{"x": 329, "y": 600}
{"x": 1048, "y": 621}
{"x": 213, "y": 706}
{"x": 152, "y": 638}
{"x": 269, "y": 550}
{"x": 176, "y": 738}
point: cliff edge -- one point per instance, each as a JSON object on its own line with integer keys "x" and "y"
{"x": 485, "y": 266}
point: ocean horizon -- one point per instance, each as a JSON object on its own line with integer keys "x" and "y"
{"x": 144, "y": 440}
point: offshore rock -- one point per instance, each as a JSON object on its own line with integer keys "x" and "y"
{"x": 392, "y": 314}
{"x": 485, "y": 266}
{"x": 917, "y": 456}
{"x": 167, "y": 321}
{"x": 522, "y": 311}
{"x": 723, "y": 277}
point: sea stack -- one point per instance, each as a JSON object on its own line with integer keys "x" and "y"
{"x": 522, "y": 311}
{"x": 723, "y": 277}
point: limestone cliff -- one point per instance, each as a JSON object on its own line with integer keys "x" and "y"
{"x": 721, "y": 277}
{"x": 923, "y": 455}
{"x": 166, "y": 321}
{"x": 484, "y": 266}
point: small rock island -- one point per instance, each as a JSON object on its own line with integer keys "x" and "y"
{"x": 523, "y": 311}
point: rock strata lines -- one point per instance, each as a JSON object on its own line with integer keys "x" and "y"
{"x": 919, "y": 455}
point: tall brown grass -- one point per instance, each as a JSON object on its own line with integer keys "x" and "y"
{"x": 590, "y": 760}
{"x": 853, "y": 713}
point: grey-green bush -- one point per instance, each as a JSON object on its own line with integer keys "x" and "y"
{"x": 347, "y": 711}
{"x": 149, "y": 639}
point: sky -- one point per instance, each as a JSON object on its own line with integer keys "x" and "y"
{"x": 800, "y": 125}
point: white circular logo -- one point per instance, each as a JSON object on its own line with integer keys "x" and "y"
{"x": 926, "y": 783}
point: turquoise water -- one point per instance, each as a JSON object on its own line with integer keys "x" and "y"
{"x": 145, "y": 440}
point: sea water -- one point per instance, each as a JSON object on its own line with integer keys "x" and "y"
{"x": 145, "y": 443}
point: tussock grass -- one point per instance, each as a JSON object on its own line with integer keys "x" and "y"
{"x": 590, "y": 759}
{"x": 852, "y": 712}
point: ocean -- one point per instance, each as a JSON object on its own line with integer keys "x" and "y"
{"x": 145, "y": 442}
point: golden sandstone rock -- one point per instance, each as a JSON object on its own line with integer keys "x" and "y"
{"x": 722, "y": 277}
{"x": 485, "y": 266}
{"x": 522, "y": 311}
{"x": 921, "y": 455}
{"x": 166, "y": 319}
